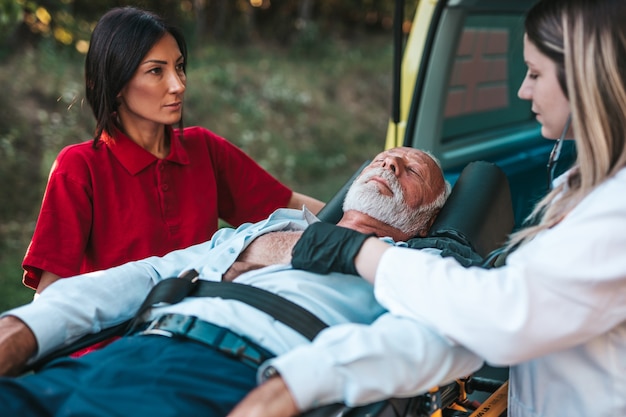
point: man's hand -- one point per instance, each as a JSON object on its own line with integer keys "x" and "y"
{"x": 270, "y": 399}
{"x": 325, "y": 248}
{"x": 17, "y": 345}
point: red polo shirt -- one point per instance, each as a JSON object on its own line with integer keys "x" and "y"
{"x": 116, "y": 203}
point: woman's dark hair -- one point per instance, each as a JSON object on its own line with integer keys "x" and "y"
{"x": 120, "y": 40}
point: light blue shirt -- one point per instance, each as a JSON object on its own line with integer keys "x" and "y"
{"x": 77, "y": 306}
{"x": 73, "y": 307}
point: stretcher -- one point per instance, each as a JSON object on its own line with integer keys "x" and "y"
{"x": 479, "y": 211}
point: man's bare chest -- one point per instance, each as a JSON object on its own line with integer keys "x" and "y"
{"x": 269, "y": 249}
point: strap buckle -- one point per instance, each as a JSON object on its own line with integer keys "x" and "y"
{"x": 217, "y": 337}
{"x": 153, "y": 328}
{"x": 240, "y": 348}
{"x": 185, "y": 323}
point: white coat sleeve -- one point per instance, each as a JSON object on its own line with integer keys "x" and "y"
{"x": 360, "y": 364}
{"x": 561, "y": 289}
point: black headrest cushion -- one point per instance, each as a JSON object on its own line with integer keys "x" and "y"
{"x": 479, "y": 208}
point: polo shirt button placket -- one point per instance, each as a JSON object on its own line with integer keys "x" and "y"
{"x": 168, "y": 205}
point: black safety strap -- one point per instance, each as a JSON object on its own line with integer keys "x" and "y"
{"x": 173, "y": 290}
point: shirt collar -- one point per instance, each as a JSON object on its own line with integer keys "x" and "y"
{"x": 134, "y": 158}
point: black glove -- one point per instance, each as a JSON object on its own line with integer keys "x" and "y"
{"x": 451, "y": 243}
{"x": 325, "y": 248}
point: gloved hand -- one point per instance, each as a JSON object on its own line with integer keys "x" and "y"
{"x": 451, "y": 243}
{"x": 325, "y": 248}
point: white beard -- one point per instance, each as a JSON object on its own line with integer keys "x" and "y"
{"x": 365, "y": 197}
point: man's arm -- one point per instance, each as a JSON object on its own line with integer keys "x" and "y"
{"x": 272, "y": 398}
{"x": 17, "y": 345}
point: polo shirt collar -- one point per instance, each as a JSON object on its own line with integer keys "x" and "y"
{"x": 134, "y": 158}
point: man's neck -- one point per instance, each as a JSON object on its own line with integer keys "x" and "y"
{"x": 365, "y": 224}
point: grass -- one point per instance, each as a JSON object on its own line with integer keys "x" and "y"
{"x": 12, "y": 292}
{"x": 310, "y": 116}
{"x": 304, "y": 118}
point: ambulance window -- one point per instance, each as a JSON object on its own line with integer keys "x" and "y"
{"x": 487, "y": 71}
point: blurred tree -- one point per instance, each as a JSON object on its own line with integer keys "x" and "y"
{"x": 69, "y": 22}
{"x": 200, "y": 14}
{"x": 10, "y": 17}
{"x": 19, "y": 166}
{"x": 11, "y": 25}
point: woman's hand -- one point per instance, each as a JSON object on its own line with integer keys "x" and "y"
{"x": 325, "y": 248}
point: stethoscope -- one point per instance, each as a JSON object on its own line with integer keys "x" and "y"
{"x": 556, "y": 152}
{"x": 552, "y": 160}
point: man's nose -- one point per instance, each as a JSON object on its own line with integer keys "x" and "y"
{"x": 391, "y": 163}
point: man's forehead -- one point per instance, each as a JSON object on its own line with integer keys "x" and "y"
{"x": 405, "y": 152}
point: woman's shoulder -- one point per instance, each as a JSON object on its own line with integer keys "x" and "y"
{"x": 79, "y": 159}
{"x": 198, "y": 135}
{"x": 621, "y": 175}
{"x": 616, "y": 184}
{"x": 607, "y": 197}
{"x": 77, "y": 152}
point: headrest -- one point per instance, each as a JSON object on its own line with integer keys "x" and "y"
{"x": 479, "y": 208}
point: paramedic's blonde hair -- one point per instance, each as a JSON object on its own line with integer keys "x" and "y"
{"x": 587, "y": 41}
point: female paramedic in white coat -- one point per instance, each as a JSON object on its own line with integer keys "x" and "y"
{"x": 556, "y": 311}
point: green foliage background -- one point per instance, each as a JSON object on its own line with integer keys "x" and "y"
{"x": 310, "y": 108}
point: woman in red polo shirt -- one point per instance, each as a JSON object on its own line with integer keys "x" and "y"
{"x": 142, "y": 188}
